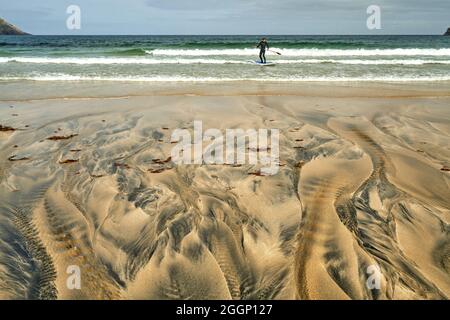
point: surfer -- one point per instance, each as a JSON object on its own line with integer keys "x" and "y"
{"x": 263, "y": 45}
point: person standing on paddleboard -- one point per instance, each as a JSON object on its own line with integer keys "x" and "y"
{"x": 263, "y": 45}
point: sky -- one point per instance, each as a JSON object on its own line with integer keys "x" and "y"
{"x": 259, "y": 17}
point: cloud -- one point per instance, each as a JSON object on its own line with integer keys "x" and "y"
{"x": 298, "y": 5}
{"x": 192, "y": 5}
{"x": 230, "y": 16}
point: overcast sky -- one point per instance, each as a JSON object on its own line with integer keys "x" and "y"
{"x": 228, "y": 16}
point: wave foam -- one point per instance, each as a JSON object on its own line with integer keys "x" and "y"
{"x": 87, "y": 61}
{"x": 66, "y": 77}
{"x": 303, "y": 52}
{"x": 151, "y": 61}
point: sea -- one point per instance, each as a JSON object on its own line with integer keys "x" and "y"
{"x": 224, "y": 58}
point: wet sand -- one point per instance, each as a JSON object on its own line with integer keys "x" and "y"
{"x": 86, "y": 180}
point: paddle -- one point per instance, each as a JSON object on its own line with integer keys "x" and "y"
{"x": 275, "y": 52}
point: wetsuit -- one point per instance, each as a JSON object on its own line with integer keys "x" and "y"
{"x": 263, "y": 46}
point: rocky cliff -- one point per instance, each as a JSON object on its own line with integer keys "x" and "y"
{"x": 447, "y": 33}
{"x": 7, "y": 28}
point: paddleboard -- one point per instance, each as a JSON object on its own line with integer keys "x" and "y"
{"x": 267, "y": 64}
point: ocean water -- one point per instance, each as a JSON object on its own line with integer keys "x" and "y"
{"x": 224, "y": 58}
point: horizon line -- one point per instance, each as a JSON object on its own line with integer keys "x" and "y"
{"x": 213, "y": 35}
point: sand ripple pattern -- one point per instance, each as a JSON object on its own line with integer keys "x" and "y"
{"x": 94, "y": 187}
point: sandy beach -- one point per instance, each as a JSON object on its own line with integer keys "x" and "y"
{"x": 87, "y": 180}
